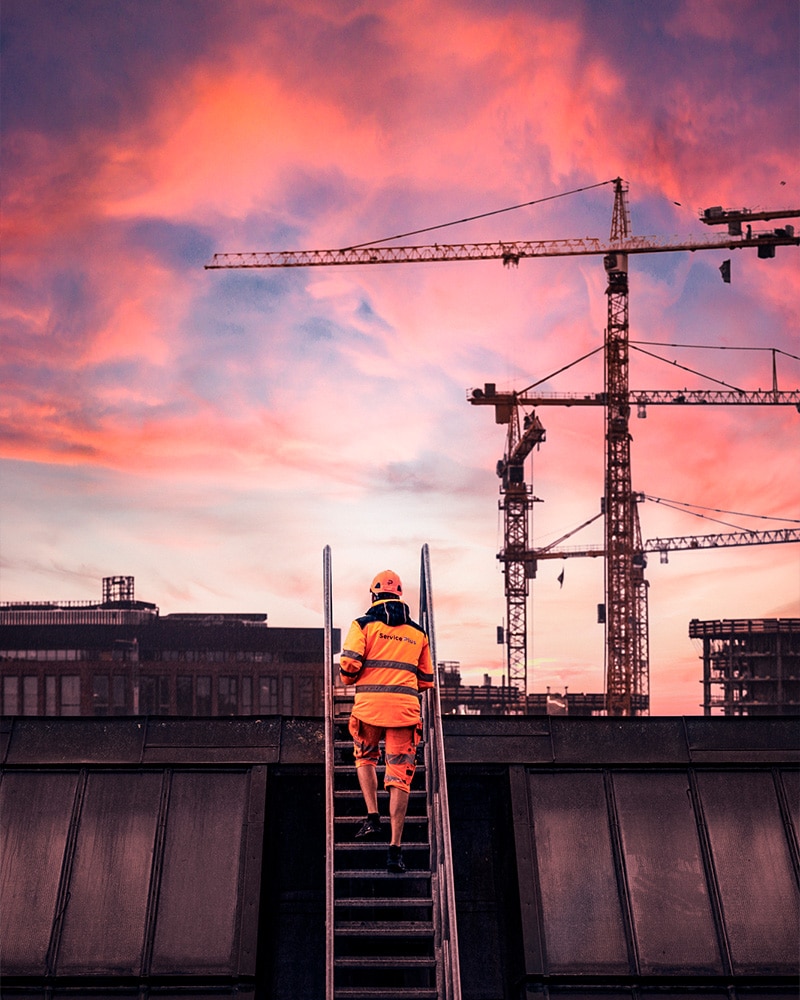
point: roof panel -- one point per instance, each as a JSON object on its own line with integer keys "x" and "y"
{"x": 75, "y": 741}
{"x": 36, "y": 810}
{"x": 754, "y": 871}
{"x": 172, "y": 734}
{"x": 741, "y": 738}
{"x": 583, "y": 927}
{"x": 104, "y": 923}
{"x": 791, "y": 785}
{"x": 199, "y": 899}
{"x": 619, "y": 741}
{"x": 672, "y": 915}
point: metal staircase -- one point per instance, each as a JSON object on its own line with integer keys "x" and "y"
{"x": 388, "y": 936}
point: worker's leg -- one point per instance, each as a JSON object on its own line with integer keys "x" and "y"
{"x": 398, "y": 804}
{"x": 366, "y": 748}
{"x": 401, "y": 748}
{"x": 368, "y": 780}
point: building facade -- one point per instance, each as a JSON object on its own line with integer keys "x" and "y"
{"x": 121, "y": 657}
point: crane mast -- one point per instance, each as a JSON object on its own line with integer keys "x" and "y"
{"x": 625, "y": 609}
{"x": 516, "y": 500}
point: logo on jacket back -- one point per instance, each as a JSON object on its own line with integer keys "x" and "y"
{"x": 397, "y": 638}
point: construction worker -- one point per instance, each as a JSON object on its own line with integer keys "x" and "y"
{"x": 387, "y": 657}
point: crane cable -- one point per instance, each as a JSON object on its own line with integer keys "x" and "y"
{"x": 483, "y": 215}
{"x": 682, "y": 505}
{"x": 685, "y": 369}
{"x": 714, "y": 347}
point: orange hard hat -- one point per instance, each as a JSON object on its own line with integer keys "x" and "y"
{"x": 387, "y": 582}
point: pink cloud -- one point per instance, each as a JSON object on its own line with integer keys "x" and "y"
{"x": 336, "y": 397}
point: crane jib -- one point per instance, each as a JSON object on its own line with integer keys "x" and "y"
{"x": 509, "y": 253}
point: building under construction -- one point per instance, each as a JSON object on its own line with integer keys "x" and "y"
{"x": 750, "y": 666}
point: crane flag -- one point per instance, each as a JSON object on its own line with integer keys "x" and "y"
{"x": 725, "y": 271}
{"x": 561, "y": 579}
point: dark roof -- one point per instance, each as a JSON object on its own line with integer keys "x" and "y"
{"x": 614, "y": 854}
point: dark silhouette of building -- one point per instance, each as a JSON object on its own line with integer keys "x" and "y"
{"x": 120, "y": 656}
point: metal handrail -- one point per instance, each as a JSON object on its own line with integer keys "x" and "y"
{"x": 443, "y": 886}
{"x": 327, "y": 587}
{"x": 444, "y": 900}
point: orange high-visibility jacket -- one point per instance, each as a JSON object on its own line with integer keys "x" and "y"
{"x": 387, "y": 656}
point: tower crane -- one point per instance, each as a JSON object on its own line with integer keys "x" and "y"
{"x": 519, "y": 562}
{"x": 626, "y": 657}
{"x": 516, "y": 501}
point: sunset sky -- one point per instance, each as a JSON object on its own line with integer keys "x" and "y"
{"x": 209, "y": 432}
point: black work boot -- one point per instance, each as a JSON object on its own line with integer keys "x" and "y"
{"x": 371, "y": 827}
{"x": 394, "y": 860}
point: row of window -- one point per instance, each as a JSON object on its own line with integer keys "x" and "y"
{"x": 61, "y": 695}
{"x": 161, "y": 694}
{"x": 46, "y": 654}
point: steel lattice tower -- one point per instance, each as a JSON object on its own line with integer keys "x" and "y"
{"x": 625, "y": 586}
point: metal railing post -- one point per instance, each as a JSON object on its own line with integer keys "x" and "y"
{"x": 444, "y": 900}
{"x": 327, "y": 588}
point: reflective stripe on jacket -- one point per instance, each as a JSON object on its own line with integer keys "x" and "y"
{"x": 387, "y": 657}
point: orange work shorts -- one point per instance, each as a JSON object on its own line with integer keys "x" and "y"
{"x": 401, "y": 750}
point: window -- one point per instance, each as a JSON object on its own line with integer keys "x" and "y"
{"x": 154, "y": 695}
{"x": 305, "y": 695}
{"x": 119, "y": 695}
{"x": 50, "y": 695}
{"x": 268, "y": 695}
{"x": 11, "y": 696}
{"x": 70, "y": 694}
{"x": 30, "y": 695}
{"x": 670, "y": 904}
{"x": 185, "y": 694}
{"x": 247, "y": 696}
{"x": 287, "y": 704}
{"x": 100, "y": 694}
{"x": 204, "y": 696}
{"x": 228, "y": 695}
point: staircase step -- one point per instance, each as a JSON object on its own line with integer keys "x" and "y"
{"x": 354, "y": 819}
{"x": 384, "y": 928}
{"x": 356, "y": 793}
{"x": 385, "y": 993}
{"x": 343, "y": 824}
{"x": 381, "y": 845}
{"x": 381, "y": 901}
{"x": 386, "y": 961}
{"x": 381, "y": 873}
